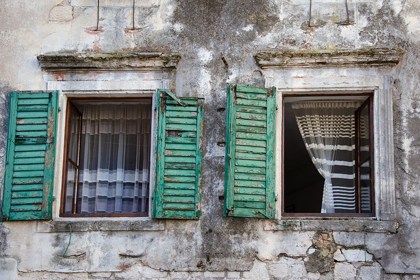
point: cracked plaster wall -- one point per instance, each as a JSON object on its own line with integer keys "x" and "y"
{"x": 203, "y": 32}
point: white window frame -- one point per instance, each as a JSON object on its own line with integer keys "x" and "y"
{"x": 100, "y": 89}
{"x": 346, "y": 82}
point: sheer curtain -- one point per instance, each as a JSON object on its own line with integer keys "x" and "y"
{"x": 328, "y": 131}
{"x": 115, "y": 153}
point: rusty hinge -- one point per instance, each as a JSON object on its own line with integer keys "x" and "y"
{"x": 270, "y": 92}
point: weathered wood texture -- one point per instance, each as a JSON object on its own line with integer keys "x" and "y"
{"x": 179, "y": 157}
{"x": 250, "y": 144}
{"x": 30, "y": 156}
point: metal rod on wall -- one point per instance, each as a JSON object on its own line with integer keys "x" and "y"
{"x": 134, "y": 6}
{"x": 310, "y": 13}
{"x": 97, "y": 17}
{"x": 347, "y": 12}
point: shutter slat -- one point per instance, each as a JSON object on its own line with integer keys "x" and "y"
{"x": 179, "y": 140}
{"x": 172, "y": 192}
{"x": 249, "y": 184}
{"x": 181, "y": 127}
{"x": 30, "y": 156}
{"x": 252, "y": 143}
{"x": 180, "y": 108}
{"x": 26, "y": 127}
{"x": 179, "y": 206}
{"x": 179, "y": 199}
{"x": 253, "y": 184}
{"x": 28, "y": 167}
{"x": 32, "y": 121}
{"x": 182, "y": 153}
{"x": 245, "y": 190}
{"x": 246, "y": 204}
{"x": 32, "y": 108}
{"x": 181, "y": 121}
{"x": 179, "y": 186}
{"x": 175, "y": 165}
{"x": 180, "y": 159}
{"x": 179, "y": 179}
{"x": 192, "y": 102}
{"x": 250, "y": 163}
{"x": 27, "y": 187}
{"x": 190, "y": 147}
{"x": 246, "y": 88}
{"x": 250, "y": 156}
{"x": 256, "y": 103}
{"x": 180, "y": 114}
{"x": 181, "y": 172}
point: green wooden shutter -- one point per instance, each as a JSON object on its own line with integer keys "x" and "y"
{"x": 250, "y": 152}
{"x": 178, "y": 157}
{"x": 30, "y": 156}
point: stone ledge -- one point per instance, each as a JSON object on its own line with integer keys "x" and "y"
{"x": 335, "y": 225}
{"x": 108, "y": 61}
{"x": 374, "y": 57}
{"x": 84, "y": 226}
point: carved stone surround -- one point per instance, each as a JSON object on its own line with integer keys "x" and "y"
{"x": 108, "y": 61}
{"x": 374, "y": 57}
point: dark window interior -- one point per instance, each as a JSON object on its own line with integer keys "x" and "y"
{"x": 302, "y": 183}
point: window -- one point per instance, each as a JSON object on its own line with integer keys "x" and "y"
{"x": 107, "y": 157}
{"x": 328, "y": 155}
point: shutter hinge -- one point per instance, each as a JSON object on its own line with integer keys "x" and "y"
{"x": 229, "y": 211}
{"x": 199, "y": 213}
{"x": 50, "y": 140}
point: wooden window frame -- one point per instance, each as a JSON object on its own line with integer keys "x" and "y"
{"x": 66, "y": 160}
{"x": 371, "y": 134}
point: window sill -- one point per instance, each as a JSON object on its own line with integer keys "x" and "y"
{"x": 95, "y": 224}
{"x": 348, "y": 224}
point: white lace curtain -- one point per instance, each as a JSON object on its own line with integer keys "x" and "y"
{"x": 328, "y": 131}
{"x": 115, "y": 153}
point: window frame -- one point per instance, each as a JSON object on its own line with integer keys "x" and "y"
{"x": 369, "y": 99}
{"x": 65, "y": 140}
{"x": 345, "y": 81}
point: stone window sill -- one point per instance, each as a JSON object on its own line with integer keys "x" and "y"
{"x": 348, "y": 225}
{"x": 86, "y": 225}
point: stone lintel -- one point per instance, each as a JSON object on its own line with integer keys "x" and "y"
{"x": 108, "y": 61}
{"x": 374, "y": 57}
{"x": 84, "y": 226}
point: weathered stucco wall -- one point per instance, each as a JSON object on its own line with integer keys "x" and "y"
{"x": 217, "y": 40}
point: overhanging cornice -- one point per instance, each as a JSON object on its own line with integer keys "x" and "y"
{"x": 374, "y": 57}
{"x": 108, "y": 61}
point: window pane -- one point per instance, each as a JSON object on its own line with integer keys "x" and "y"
{"x": 364, "y": 133}
{"x": 71, "y": 175}
{"x": 74, "y": 132}
{"x": 365, "y": 185}
{"x": 114, "y": 158}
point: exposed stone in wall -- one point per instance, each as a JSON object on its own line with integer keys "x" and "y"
{"x": 321, "y": 254}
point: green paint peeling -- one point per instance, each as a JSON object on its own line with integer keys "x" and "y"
{"x": 250, "y": 156}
